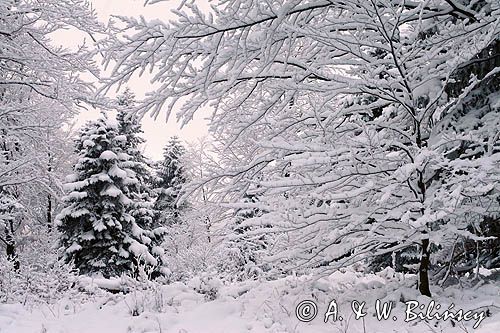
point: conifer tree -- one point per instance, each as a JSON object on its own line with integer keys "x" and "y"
{"x": 99, "y": 234}
{"x": 129, "y": 129}
{"x": 141, "y": 195}
{"x": 170, "y": 178}
{"x": 247, "y": 245}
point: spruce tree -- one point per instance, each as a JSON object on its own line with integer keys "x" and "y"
{"x": 99, "y": 234}
{"x": 140, "y": 193}
{"x": 170, "y": 178}
{"x": 246, "y": 241}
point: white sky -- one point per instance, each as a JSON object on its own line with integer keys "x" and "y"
{"x": 156, "y": 132}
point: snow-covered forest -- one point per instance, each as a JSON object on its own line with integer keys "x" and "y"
{"x": 349, "y": 181}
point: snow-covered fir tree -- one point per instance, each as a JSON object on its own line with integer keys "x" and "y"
{"x": 141, "y": 194}
{"x": 247, "y": 245}
{"x": 170, "y": 176}
{"x": 99, "y": 232}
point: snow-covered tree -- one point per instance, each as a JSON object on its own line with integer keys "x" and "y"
{"x": 141, "y": 194}
{"x": 130, "y": 127}
{"x": 247, "y": 245}
{"x": 363, "y": 116}
{"x": 10, "y": 214}
{"x": 99, "y": 232}
{"x": 170, "y": 176}
{"x": 195, "y": 244}
{"x": 40, "y": 87}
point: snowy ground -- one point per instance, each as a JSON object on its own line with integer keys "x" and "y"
{"x": 268, "y": 306}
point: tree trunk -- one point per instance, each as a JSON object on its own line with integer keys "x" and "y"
{"x": 11, "y": 246}
{"x": 49, "y": 197}
{"x": 49, "y": 213}
{"x": 424, "y": 269}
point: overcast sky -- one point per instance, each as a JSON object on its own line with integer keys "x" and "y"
{"x": 156, "y": 132}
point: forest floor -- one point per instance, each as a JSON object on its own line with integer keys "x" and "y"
{"x": 204, "y": 306}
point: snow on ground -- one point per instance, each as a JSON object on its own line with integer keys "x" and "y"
{"x": 266, "y": 306}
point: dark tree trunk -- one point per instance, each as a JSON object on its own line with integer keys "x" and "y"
{"x": 49, "y": 197}
{"x": 424, "y": 269}
{"x": 208, "y": 224}
{"x": 11, "y": 245}
{"x": 49, "y": 213}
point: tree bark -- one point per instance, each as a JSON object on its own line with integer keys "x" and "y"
{"x": 423, "y": 286}
{"x": 49, "y": 197}
{"x": 49, "y": 213}
{"x": 11, "y": 245}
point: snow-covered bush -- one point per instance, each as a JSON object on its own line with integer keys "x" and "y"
{"x": 207, "y": 284}
{"x": 41, "y": 277}
{"x": 188, "y": 251}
